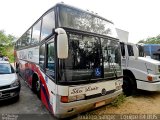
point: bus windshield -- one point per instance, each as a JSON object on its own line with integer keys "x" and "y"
{"x": 80, "y": 20}
{"x": 90, "y": 58}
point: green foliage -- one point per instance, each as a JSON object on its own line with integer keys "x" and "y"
{"x": 151, "y": 40}
{"x": 119, "y": 100}
{"x": 10, "y": 53}
{"x": 6, "y": 45}
{"x": 141, "y": 41}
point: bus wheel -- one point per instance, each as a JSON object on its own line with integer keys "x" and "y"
{"x": 128, "y": 86}
{"x": 38, "y": 88}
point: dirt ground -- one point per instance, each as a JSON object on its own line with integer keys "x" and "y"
{"x": 143, "y": 102}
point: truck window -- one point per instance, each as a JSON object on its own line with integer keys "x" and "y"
{"x": 130, "y": 50}
{"x": 122, "y": 49}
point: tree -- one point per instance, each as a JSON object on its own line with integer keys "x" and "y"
{"x": 3, "y": 38}
{"x": 6, "y": 44}
{"x": 151, "y": 40}
{"x": 6, "y": 39}
{"x": 141, "y": 41}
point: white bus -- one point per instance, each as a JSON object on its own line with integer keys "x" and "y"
{"x": 71, "y": 59}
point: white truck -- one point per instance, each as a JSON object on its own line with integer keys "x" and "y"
{"x": 139, "y": 72}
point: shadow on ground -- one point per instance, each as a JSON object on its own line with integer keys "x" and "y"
{"x": 146, "y": 94}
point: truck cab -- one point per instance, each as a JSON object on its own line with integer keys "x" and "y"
{"x": 139, "y": 72}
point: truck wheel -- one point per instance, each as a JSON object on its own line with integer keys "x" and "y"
{"x": 129, "y": 86}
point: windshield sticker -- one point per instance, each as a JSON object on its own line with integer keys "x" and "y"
{"x": 98, "y": 72}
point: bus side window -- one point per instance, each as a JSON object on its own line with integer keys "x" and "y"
{"x": 50, "y": 64}
{"x": 48, "y": 24}
{"x": 42, "y": 56}
{"x": 36, "y": 33}
{"x": 26, "y": 38}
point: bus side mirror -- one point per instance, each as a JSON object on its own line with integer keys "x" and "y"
{"x": 136, "y": 52}
{"x": 62, "y": 43}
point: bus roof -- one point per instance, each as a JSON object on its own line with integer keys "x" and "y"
{"x": 69, "y": 6}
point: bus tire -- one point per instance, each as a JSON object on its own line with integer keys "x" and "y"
{"x": 36, "y": 86}
{"x": 129, "y": 85}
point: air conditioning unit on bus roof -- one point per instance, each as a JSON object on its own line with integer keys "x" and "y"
{"x": 122, "y": 35}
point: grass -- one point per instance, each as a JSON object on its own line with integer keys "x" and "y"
{"x": 119, "y": 100}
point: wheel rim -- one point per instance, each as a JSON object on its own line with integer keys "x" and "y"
{"x": 38, "y": 86}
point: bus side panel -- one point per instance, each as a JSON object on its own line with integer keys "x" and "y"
{"x": 22, "y": 68}
{"x": 28, "y": 73}
{"x": 27, "y": 69}
{"x": 52, "y": 91}
{"x": 45, "y": 96}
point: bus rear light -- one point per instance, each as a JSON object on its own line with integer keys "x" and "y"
{"x": 66, "y": 99}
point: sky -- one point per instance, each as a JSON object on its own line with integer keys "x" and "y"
{"x": 141, "y": 18}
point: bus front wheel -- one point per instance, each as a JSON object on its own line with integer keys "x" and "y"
{"x": 36, "y": 86}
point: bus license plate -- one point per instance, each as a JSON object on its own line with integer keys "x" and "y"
{"x": 99, "y": 104}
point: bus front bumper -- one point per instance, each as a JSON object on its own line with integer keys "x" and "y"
{"x": 73, "y": 108}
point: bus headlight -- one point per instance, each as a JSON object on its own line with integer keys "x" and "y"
{"x": 118, "y": 84}
{"x": 80, "y": 97}
{"x": 72, "y": 98}
{"x": 66, "y": 99}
